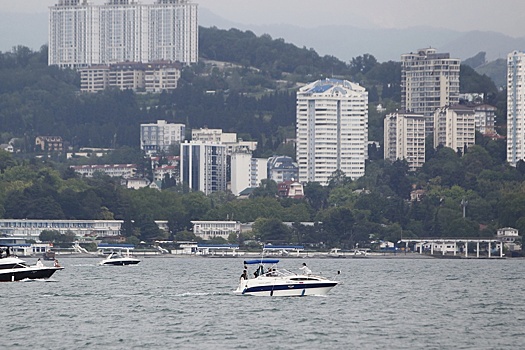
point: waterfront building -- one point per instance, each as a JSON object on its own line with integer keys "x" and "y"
{"x": 332, "y": 130}
{"x": 515, "y": 107}
{"x": 83, "y": 34}
{"x": 282, "y": 168}
{"x": 429, "y": 80}
{"x": 213, "y": 229}
{"x": 404, "y": 135}
{"x": 203, "y": 166}
{"x": 507, "y": 234}
{"x": 454, "y": 127}
{"x": 30, "y": 229}
{"x": 158, "y": 137}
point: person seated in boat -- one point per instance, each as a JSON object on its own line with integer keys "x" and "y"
{"x": 305, "y": 269}
{"x": 39, "y": 263}
{"x": 271, "y": 272}
{"x": 259, "y": 272}
{"x": 56, "y": 264}
{"x": 4, "y": 253}
{"x": 244, "y": 275}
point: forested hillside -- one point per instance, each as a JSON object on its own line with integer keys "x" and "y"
{"x": 244, "y": 84}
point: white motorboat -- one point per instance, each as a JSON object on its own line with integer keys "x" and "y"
{"x": 13, "y": 269}
{"x": 119, "y": 259}
{"x": 280, "y": 282}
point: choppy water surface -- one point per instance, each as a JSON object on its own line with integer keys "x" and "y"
{"x": 186, "y": 303}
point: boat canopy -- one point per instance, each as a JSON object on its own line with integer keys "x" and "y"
{"x": 261, "y": 261}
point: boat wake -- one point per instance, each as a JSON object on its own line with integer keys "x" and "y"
{"x": 37, "y": 280}
{"x": 197, "y": 294}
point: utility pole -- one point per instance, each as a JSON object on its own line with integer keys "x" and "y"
{"x": 464, "y": 204}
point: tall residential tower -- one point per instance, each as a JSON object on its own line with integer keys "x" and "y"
{"x": 515, "y": 107}
{"x": 429, "y": 80}
{"x": 82, "y": 34}
{"x": 332, "y": 130}
{"x": 203, "y": 166}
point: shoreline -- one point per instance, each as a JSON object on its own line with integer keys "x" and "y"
{"x": 253, "y": 255}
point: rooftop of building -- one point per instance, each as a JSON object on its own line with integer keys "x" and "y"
{"x": 462, "y": 108}
{"x": 336, "y": 85}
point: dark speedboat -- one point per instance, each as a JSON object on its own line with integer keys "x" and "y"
{"x": 119, "y": 259}
{"x": 14, "y": 269}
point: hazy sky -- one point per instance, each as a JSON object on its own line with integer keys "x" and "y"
{"x": 504, "y": 16}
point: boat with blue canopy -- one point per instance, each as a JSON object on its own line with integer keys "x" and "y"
{"x": 268, "y": 280}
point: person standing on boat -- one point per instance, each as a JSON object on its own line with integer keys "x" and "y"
{"x": 244, "y": 275}
{"x": 305, "y": 269}
{"x": 56, "y": 264}
{"x": 39, "y": 263}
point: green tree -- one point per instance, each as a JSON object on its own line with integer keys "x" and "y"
{"x": 271, "y": 231}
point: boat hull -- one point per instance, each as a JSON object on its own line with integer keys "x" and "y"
{"x": 114, "y": 262}
{"x": 11, "y": 275}
{"x": 290, "y": 289}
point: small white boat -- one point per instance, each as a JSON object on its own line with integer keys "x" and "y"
{"x": 13, "y": 269}
{"x": 281, "y": 282}
{"x": 119, "y": 259}
{"x": 359, "y": 253}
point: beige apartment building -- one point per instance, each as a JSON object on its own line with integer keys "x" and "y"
{"x": 404, "y": 135}
{"x": 429, "y": 80}
{"x": 145, "y": 77}
{"x": 455, "y": 127}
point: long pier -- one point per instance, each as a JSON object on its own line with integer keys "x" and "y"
{"x": 447, "y": 245}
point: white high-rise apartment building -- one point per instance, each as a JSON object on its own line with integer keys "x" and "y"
{"x": 246, "y": 172}
{"x": 203, "y": 166}
{"x": 455, "y": 127}
{"x": 332, "y": 130}
{"x": 225, "y": 138}
{"x": 157, "y": 137}
{"x": 74, "y": 34}
{"x": 429, "y": 80}
{"x": 82, "y": 34}
{"x": 405, "y": 138}
{"x": 515, "y": 107}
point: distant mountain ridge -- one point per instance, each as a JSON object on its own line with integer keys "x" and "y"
{"x": 343, "y": 42}
{"x": 346, "y": 42}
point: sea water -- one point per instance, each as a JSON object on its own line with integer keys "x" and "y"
{"x": 187, "y": 303}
